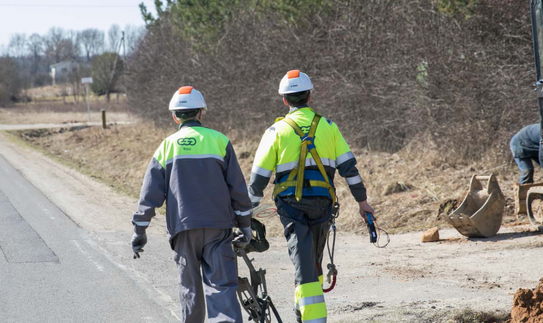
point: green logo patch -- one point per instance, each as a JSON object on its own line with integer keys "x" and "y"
{"x": 186, "y": 141}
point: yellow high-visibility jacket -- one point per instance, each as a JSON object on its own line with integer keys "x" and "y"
{"x": 279, "y": 151}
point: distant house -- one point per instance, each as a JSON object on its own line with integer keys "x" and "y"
{"x": 60, "y": 71}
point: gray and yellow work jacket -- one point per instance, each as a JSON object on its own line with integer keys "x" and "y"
{"x": 279, "y": 151}
{"x": 197, "y": 173}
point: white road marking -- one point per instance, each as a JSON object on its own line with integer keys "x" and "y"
{"x": 88, "y": 256}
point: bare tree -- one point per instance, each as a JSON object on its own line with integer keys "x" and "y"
{"x": 52, "y": 44}
{"x": 73, "y": 47}
{"x": 18, "y": 49}
{"x": 92, "y": 41}
{"x": 133, "y": 37}
{"x": 58, "y": 45}
{"x": 114, "y": 38}
{"x": 35, "y": 51}
{"x": 17, "y": 46}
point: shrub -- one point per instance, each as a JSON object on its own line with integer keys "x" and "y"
{"x": 10, "y": 84}
{"x": 388, "y": 72}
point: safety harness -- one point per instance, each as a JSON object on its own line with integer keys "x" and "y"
{"x": 296, "y": 179}
{"x": 296, "y": 175}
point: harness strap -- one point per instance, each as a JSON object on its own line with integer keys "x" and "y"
{"x": 308, "y": 146}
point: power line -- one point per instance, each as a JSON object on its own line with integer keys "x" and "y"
{"x": 64, "y": 6}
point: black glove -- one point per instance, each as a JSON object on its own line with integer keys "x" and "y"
{"x": 242, "y": 240}
{"x": 139, "y": 239}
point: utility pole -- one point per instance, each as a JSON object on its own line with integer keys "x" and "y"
{"x": 115, "y": 66}
{"x": 87, "y": 81}
{"x": 125, "y": 66}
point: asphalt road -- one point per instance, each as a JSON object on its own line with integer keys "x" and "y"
{"x": 52, "y": 271}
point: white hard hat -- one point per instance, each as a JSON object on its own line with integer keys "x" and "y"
{"x": 187, "y": 98}
{"x": 295, "y": 81}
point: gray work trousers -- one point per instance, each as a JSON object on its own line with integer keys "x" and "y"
{"x": 206, "y": 255}
{"x": 305, "y": 243}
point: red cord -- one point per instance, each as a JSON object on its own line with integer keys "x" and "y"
{"x": 332, "y": 285}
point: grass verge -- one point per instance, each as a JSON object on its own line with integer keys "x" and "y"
{"x": 119, "y": 156}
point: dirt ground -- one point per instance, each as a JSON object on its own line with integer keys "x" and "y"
{"x": 407, "y": 193}
{"x": 406, "y": 282}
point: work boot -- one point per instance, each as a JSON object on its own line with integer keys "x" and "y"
{"x": 527, "y": 176}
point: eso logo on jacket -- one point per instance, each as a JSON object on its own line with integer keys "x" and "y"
{"x": 186, "y": 141}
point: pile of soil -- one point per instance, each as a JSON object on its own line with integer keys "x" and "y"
{"x": 528, "y": 305}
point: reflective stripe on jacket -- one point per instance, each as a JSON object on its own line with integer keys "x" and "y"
{"x": 279, "y": 151}
{"x": 197, "y": 173}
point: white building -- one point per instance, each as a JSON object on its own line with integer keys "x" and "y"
{"x": 60, "y": 71}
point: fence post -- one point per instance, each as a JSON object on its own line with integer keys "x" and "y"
{"x": 103, "y": 118}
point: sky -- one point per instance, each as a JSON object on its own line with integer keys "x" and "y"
{"x": 38, "y": 16}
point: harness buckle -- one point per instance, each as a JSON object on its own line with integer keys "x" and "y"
{"x": 307, "y": 185}
{"x": 335, "y": 210}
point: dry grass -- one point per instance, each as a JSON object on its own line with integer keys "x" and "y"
{"x": 119, "y": 156}
{"x": 471, "y": 316}
{"x": 52, "y": 112}
{"x": 64, "y": 93}
{"x": 46, "y": 91}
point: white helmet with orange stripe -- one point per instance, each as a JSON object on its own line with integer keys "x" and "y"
{"x": 295, "y": 81}
{"x": 187, "y": 98}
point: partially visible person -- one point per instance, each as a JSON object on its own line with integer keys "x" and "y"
{"x": 525, "y": 148}
{"x": 197, "y": 173}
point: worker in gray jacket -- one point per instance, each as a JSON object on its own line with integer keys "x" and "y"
{"x": 525, "y": 148}
{"x": 197, "y": 173}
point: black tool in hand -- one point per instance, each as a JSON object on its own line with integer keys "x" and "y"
{"x": 371, "y": 228}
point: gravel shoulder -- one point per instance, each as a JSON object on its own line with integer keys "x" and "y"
{"x": 406, "y": 282}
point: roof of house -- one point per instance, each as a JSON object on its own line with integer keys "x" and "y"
{"x": 62, "y": 63}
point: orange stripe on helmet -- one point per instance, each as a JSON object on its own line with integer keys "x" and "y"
{"x": 185, "y": 90}
{"x": 293, "y": 74}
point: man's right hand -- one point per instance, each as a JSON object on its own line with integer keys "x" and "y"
{"x": 243, "y": 239}
{"x": 363, "y": 208}
{"x": 138, "y": 242}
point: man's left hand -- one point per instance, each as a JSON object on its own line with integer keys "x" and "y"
{"x": 138, "y": 242}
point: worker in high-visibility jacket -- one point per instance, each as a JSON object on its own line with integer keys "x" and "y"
{"x": 304, "y": 195}
{"x": 196, "y": 172}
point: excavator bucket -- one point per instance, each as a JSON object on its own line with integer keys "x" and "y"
{"x": 534, "y": 193}
{"x": 480, "y": 213}
{"x": 521, "y": 191}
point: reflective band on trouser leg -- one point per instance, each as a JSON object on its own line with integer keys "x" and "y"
{"x": 310, "y": 300}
